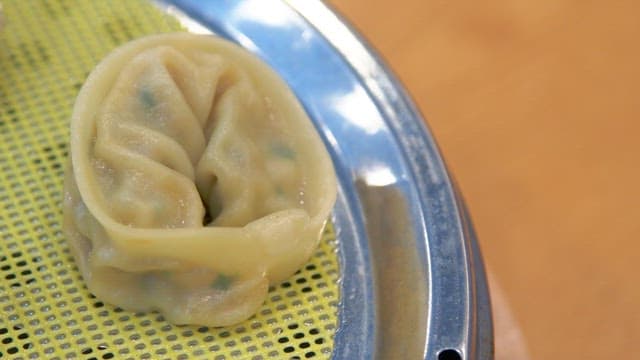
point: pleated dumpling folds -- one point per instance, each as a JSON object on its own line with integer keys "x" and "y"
{"x": 196, "y": 180}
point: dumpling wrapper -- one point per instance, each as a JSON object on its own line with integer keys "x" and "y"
{"x": 196, "y": 180}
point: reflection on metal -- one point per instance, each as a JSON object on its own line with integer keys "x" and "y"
{"x": 380, "y": 176}
{"x": 342, "y": 38}
{"x": 412, "y": 282}
{"x": 399, "y": 279}
{"x": 355, "y": 105}
{"x": 263, "y": 13}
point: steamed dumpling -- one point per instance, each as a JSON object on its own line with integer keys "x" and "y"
{"x": 196, "y": 180}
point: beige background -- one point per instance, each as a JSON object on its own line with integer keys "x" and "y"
{"x": 536, "y": 106}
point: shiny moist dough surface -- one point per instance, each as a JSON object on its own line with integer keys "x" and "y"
{"x": 196, "y": 180}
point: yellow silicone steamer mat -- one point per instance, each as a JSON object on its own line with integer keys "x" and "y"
{"x": 47, "y": 49}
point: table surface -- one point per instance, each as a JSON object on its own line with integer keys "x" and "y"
{"x": 535, "y": 107}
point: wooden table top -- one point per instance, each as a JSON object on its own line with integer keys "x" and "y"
{"x": 536, "y": 107}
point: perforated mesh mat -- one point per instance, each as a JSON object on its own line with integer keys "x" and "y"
{"x": 47, "y": 48}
